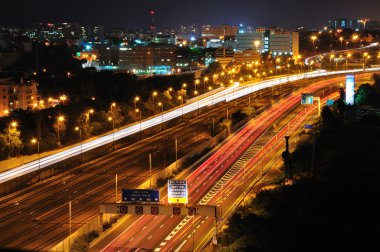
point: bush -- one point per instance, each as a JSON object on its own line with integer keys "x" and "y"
{"x": 83, "y": 241}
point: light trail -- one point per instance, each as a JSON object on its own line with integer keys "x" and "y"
{"x": 227, "y": 94}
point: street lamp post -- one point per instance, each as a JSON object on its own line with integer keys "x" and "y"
{"x": 204, "y": 83}
{"x": 154, "y": 94}
{"x": 91, "y": 111}
{"x": 364, "y": 57}
{"x": 59, "y": 120}
{"x": 13, "y": 125}
{"x": 136, "y": 99}
{"x": 313, "y": 38}
{"x": 348, "y": 56}
{"x": 257, "y": 43}
{"x": 277, "y": 61}
{"x": 35, "y": 141}
{"x": 113, "y": 105}
{"x": 111, "y": 119}
{"x": 196, "y": 83}
{"x": 139, "y": 111}
{"x": 341, "y": 43}
{"x": 79, "y": 130}
{"x": 331, "y": 57}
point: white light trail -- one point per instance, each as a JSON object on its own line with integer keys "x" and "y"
{"x": 227, "y": 94}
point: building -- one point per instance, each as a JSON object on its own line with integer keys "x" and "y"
{"x": 344, "y": 23}
{"x": 164, "y": 39}
{"x": 14, "y": 96}
{"x": 276, "y": 41}
{"x": 219, "y": 32}
{"x": 372, "y": 25}
{"x": 139, "y": 59}
{"x": 245, "y": 56}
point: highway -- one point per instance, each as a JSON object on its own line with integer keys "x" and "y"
{"x": 231, "y": 93}
{"x": 36, "y": 218}
{"x": 166, "y": 232}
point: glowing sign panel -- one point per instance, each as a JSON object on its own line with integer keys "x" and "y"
{"x": 177, "y": 192}
{"x": 350, "y": 89}
{"x": 307, "y": 99}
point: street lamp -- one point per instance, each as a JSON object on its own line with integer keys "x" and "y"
{"x": 154, "y": 94}
{"x": 180, "y": 98}
{"x": 348, "y": 56}
{"x": 197, "y": 81}
{"x": 13, "y": 125}
{"x": 139, "y": 111}
{"x": 277, "y": 61}
{"x": 136, "y": 99}
{"x": 341, "y": 43}
{"x": 111, "y": 119}
{"x": 79, "y": 129}
{"x": 364, "y": 57}
{"x": 59, "y": 120}
{"x": 91, "y": 111}
{"x": 331, "y": 57}
{"x": 355, "y": 37}
{"x": 35, "y": 141}
{"x": 257, "y": 43}
{"x": 113, "y": 105}
{"x": 313, "y": 38}
{"x": 161, "y": 105}
{"x": 204, "y": 83}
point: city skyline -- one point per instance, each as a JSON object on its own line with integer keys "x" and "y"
{"x": 287, "y": 13}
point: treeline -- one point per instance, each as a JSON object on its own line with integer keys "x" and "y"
{"x": 331, "y": 207}
{"x": 87, "y": 91}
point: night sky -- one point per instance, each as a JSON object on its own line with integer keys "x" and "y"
{"x": 135, "y": 13}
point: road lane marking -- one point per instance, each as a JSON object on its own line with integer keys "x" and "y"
{"x": 180, "y": 246}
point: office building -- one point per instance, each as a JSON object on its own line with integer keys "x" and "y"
{"x": 276, "y": 41}
{"x": 219, "y": 32}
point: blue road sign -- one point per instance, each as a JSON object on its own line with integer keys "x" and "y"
{"x": 140, "y": 195}
{"x": 330, "y": 103}
{"x": 308, "y": 126}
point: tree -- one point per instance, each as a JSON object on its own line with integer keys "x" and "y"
{"x": 14, "y": 141}
{"x": 115, "y": 114}
{"x": 326, "y": 115}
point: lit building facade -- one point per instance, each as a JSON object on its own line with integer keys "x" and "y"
{"x": 14, "y": 96}
{"x": 277, "y": 42}
{"x": 219, "y": 32}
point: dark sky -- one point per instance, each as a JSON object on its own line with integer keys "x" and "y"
{"x": 134, "y": 13}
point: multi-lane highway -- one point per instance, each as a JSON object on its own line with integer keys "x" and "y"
{"x": 230, "y": 93}
{"x": 36, "y": 218}
{"x": 168, "y": 233}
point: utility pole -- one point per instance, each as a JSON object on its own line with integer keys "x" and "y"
{"x": 150, "y": 170}
{"x": 176, "y": 153}
{"x": 115, "y": 187}
{"x": 69, "y": 225}
{"x": 286, "y": 157}
{"x": 213, "y": 126}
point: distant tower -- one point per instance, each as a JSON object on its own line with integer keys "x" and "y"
{"x": 152, "y": 14}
